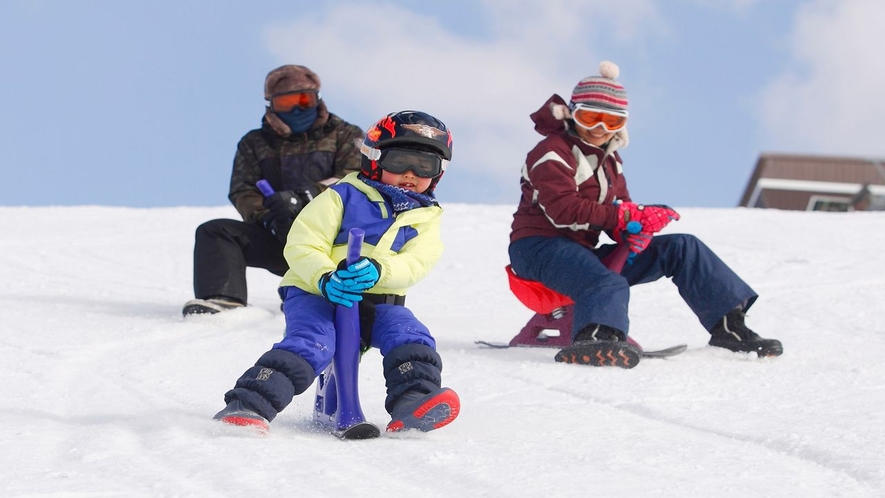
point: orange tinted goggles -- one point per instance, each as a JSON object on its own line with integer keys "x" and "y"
{"x": 285, "y": 102}
{"x": 590, "y": 118}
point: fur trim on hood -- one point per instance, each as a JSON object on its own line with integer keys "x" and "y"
{"x": 290, "y": 78}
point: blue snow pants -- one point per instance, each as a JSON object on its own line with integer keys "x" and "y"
{"x": 310, "y": 328}
{"x": 709, "y": 287}
{"x": 410, "y": 363}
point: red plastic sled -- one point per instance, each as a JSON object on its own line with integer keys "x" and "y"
{"x": 553, "y": 311}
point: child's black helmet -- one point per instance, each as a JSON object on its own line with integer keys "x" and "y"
{"x": 405, "y": 129}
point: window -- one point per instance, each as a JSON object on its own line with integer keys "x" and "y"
{"x": 828, "y": 203}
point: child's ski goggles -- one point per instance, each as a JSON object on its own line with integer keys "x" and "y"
{"x": 398, "y": 161}
{"x": 589, "y": 118}
{"x": 285, "y": 102}
{"x": 423, "y": 164}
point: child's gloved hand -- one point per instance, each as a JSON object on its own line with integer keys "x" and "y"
{"x": 638, "y": 223}
{"x": 636, "y": 243}
{"x": 362, "y": 273}
{"x": 635, "y": 238}
{"x": 337, "y": 292}
{"x": 346, "y": 285}
{"x": 636, "y": 218}
{"x": 656, "y": 216}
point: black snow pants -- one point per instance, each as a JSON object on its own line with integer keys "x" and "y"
{"x": 224, "y": 248}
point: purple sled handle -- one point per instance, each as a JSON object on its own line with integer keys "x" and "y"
{"x": 264, "y": 187}
{"x": 337, "y": 400}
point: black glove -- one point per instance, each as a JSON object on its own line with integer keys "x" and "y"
{"x": 282, "y": 208}
{"x": 284, "y": 204}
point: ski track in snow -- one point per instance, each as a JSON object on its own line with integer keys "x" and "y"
{"x": 109, "y": 392}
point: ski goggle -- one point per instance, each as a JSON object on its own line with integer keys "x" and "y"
{"x": 303, "y": 99}
{"x": 423, "y": 164}
{"x": 399, "y": 160}
{"x": 589, "y": 118}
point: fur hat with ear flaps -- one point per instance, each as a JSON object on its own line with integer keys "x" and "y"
{"x": 291, "y": 78}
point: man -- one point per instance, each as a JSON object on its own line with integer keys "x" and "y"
{"x": 300, "y": 149}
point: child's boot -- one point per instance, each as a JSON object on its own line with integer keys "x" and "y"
{"x": 424, "y": 412}
{"x": 731, "y": 333}
{"x": 237, "y": 413}
{"x": 599, "y": 346}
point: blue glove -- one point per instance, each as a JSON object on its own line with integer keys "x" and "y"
{"x": 337, "y": 292}
{"x": 346, "y": 285}
{"x": 361, "y": 274}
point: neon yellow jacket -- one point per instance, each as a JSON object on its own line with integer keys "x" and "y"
{"x": 406, "y": 245}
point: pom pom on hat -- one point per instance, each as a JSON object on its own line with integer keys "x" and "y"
{"x": 610, "y": 70}
{"x": 602, "y": 91}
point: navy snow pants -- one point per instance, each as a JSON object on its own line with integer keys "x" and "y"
{"x": 709, "y": 287}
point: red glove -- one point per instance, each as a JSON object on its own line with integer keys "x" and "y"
{"x": 656, "y": 216}
{"x": 652, "y": 218}
{"x": 636, "y": 243}
{"x": 629, "y": 220}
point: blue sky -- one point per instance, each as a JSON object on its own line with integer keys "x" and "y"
{"x": 142, "y": 103}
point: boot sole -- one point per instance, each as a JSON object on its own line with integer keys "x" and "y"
{"x": 434, "y": 413}
{"x": 198, "y": 309}
{"x": 260, "y": 425}
{"x": 762, "y": 349}
{"x": 205, "y": 307}
{"x": 600, "y": 354}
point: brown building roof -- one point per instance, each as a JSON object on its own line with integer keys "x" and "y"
{"x": 795, "y": 182}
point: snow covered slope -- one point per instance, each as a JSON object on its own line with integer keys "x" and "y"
{"x": 107, "y": 391}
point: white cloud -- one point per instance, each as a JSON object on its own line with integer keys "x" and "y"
{"x": 833, "y": 102}
{"x": 733, "y": 5}
{"x": 382, "y": 58}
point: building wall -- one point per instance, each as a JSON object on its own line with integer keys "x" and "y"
{"x": 792, "y": 182}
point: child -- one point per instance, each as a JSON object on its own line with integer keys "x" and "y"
{"x": 404, "y": 155}
{"x": 573, "y": 188}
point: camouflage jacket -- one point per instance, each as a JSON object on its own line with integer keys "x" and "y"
{"x": 303, "y": 162}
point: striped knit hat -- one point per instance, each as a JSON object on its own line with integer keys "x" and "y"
{"x": 601, "y": 91}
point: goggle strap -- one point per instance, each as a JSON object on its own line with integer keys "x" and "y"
{"x": 370, "y": 152}
{"x": 614, "y": 112}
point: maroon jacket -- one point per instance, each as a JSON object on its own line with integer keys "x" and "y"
{"x": 568, "y": 186}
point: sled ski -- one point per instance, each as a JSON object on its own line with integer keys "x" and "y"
{"x": 657, "y": 353}
{"x": 360, "y": 430}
